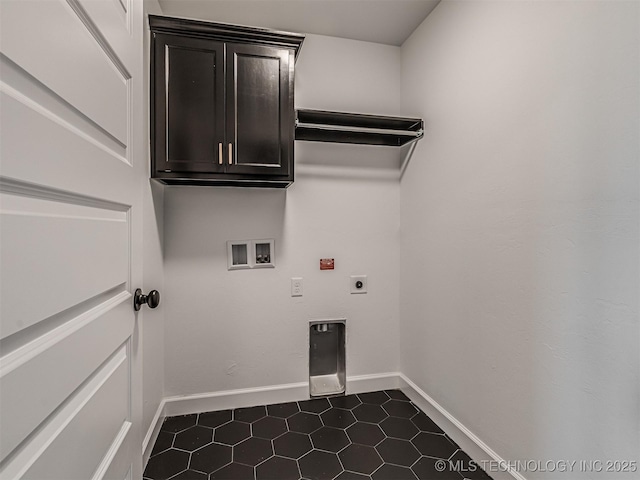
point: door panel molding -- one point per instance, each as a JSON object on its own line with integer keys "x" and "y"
{"x": 42, "y": 342}
{"x": 96, "y": 33}
{"x": 33, "y": 94}
{"x": 55, "y": 28}
{"x": 102, "y": 388}
{"x": 112, "y": 465}
{"x": 44, "y": 192}
{"x": 50, "y": 363}
{"x": 47, "y": 244}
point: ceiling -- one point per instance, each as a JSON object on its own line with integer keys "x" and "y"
{"x": 381, "y": 21}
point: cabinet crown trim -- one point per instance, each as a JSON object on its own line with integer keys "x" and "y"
{"x": 226, "y": 32}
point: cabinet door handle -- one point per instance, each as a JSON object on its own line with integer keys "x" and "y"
{"x": 220, "y": 153}
{"x": 231, "y": 154}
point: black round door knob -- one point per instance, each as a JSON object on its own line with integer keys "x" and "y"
{"x": 152, "y": 299}
{"x": 359, "y": 284}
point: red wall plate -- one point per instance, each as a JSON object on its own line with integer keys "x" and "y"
{"x": 326, "y": 264}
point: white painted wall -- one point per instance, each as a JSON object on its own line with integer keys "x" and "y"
{"x": 153, "y": 276}
{"x": 520, "y": 225}
{"x": 242, "y": 329}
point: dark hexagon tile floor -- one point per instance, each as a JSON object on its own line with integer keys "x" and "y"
{"x": 369, "y": 436}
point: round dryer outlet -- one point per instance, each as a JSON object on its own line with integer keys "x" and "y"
{"x": 358, "y": 284}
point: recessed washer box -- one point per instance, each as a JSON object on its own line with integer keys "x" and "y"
{"x": 238, "y": 255}
{"x": 245, "y": 254}
{"x": 263, "y": 253}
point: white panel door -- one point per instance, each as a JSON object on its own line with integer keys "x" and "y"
{"x": 72, "y": 163}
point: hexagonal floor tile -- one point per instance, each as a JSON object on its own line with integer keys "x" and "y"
{"x": 269, "y": 427}
{"x": 360, "y": 459}
{"x": 233, "y": 471}
{"x": 215, "y": 419}
{"x": 252, "y": 451}
{"x": 398, "y": 452}
{"x": 425, "y": 424}
{"x": 352, "y": 476}
{"x": 330, "y": 439}
{"x": 193, "y": 438}
{"x": 434, "y": 445}
{"x": 399, "y": 428}
{"x": 393, "y": 472}
{"x": 375, "y": 398}
{"x": 348, "y": 402}
{"x": 250, "y": 414}
{"x": 425, "y": 469}
{"x": 232, "y": 433}
{"x": 292, "y": 445}
{"x": 191, "y": 475}
{"x": 398, "y": 408}
{"x": 317, "y": 465}
{"x": 317, "y": 405}
{"x": 467, "y": 467}
{"x": 167, "y": 464}
{"x": 278, "y": 468}
{"x": 179, "y": 423}
{"x": 282, "y": 410}
{"x": 369, "y": 413}
{"x": 365, "y": 434}
{"x": 338, "y": 418}
{"x": 369, "y": 436}
{"x": 303, "y": 422}
{"x": 163, "y": 442}
{"x": 210, "y": 458}
{"x": 397, "y": 395}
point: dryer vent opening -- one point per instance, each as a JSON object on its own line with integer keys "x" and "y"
{"x": 327, "y": 369}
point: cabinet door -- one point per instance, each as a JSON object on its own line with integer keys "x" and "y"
{"x": 260, "y": 112}
{"x": 189, "y": 105}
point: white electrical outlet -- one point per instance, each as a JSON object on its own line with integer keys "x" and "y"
{"x": 358, "y": 284}
{"x": 296, "y": 286}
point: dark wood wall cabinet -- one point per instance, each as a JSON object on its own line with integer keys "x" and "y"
{"x": 222, "y": 110}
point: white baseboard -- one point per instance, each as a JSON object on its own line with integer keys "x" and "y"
{"x": 473, "y": 446}
{"x": 152, "y": 433}
{"x": 373, "y": 383}
{"x": 247, "y": 397}
{"x": 228, "y": 399}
